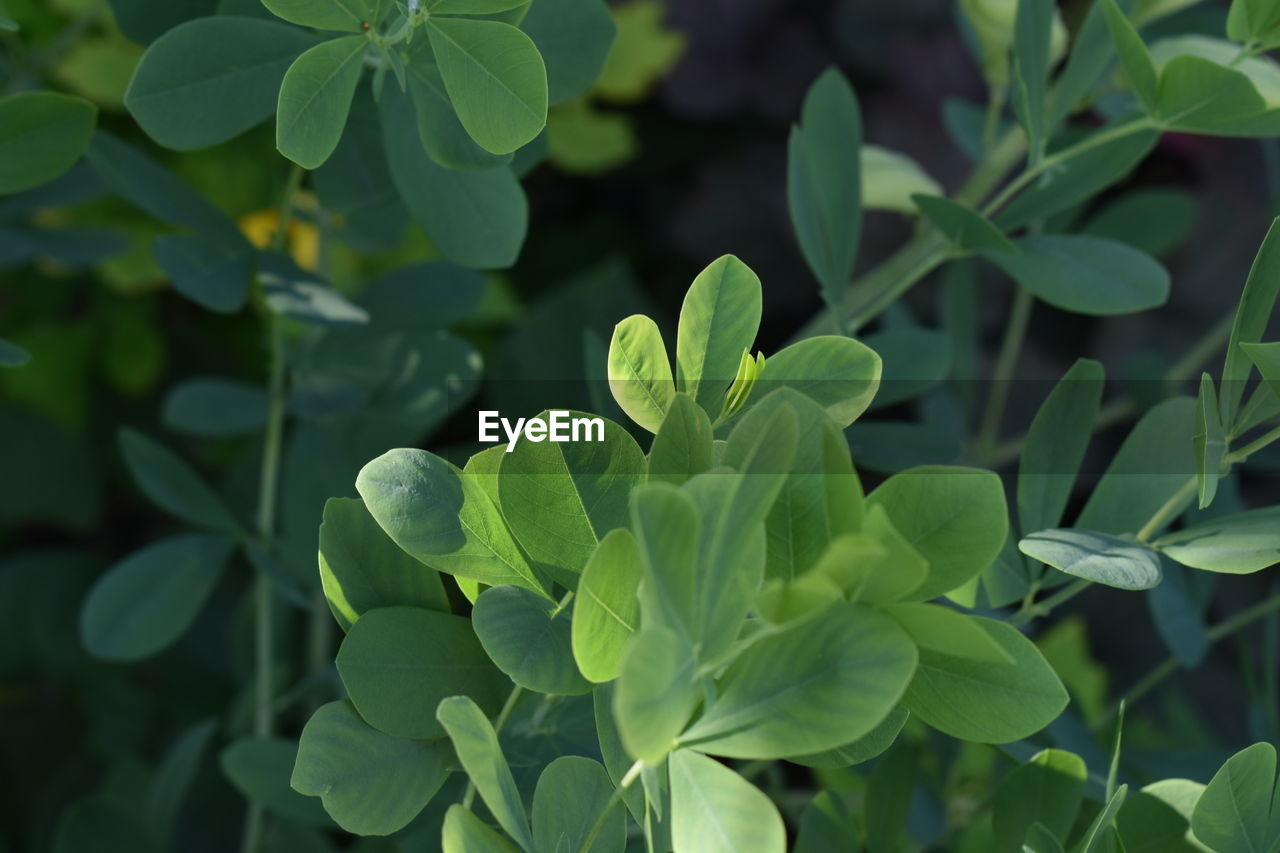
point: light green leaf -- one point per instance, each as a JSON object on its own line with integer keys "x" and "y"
{"x": 1261, "y": 289}
{"x": 962, "y": 225}
{"x": 1055, "y": 445}
{"x": 668, "y": 528}
{"x": 315, "y": 97}
{"x": 495, "y": 78}
{"x": 574, "y": 38}
{"x": 683, "y": 445}
{"x": 1210, "y": 442}
{"x": 42, "y": 135}
{"x": 463, "y": 832}
{"x": 817, "y": 685}
{"x": 1137, "y": 63}
{"x": 1236, "y": 814}
{"x": 865, "y": 748}
{"x": 259, "y": 768}
{"x": 481, "y": 757}
{"x": 718, "y": 322}
{"x": 986, "y": 702}
{"x": 1087, "y": 275}
{"x": 941, "y": 629}
{"x": 640, "y": 373}
{"x": 572, "y": 794}
{"x": 1198, "y": 94}
{"x": 561, "y": 498}
{"x": 345, "y": 16}
{"x": 398, "y": 662}
{"x": 362, "y": 569}
{"x": 165, "y": 478}
{"x": 1157, "y": 819}
{"x": 839, "y": 373}
{"x": 890, "y": 179}
{"x": 607, "y": 612}
{"x": 1233, "y": 544}
{"x": 824, "y": 182}
{"x": 210, "y": 79}
{"x": 1047, "y": 790}
{"x": 371, "y": 783}
{"x": 1099, "y": 557}
{"x": 528, "y": 637}
{"x": 877, "y": 566}
{"x": 143, "y": 603}
{"x": 654, "y": 694}
{"x": 955, "y": 517}
{"x": 443, "y": 517}
{"x": 714, "y": 810}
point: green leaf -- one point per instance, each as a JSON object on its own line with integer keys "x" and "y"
{"x": 1157, "y": 819}
{"x": 315, "y": 97}
{"x": 1261, "y": 289}
{"x": 640, "y": 373}
{"x": 371, "y": 783}
{"x": 1150, "y": 468}
{"x": 291, "y": 292}
{"x": 495, "y": 78}
{"x": 346, "y": 16}
{"x": 561, "y": 498}
{"x": 654, "y": 694}
{"x": 668, "y": 528}
{"x": 1210, "y": 442}
{"x": 890, "y": 179}
{"x": 865, "y": 748}
{"x": 214, "y": 407}
{"x": 879, "y": 566}
{"x": 1047, "y": 790}
{"x": 172, "y": 780}
{"x": 481, "y": 757}
{"x": 607, "y": 611}
{"x": 472, "y": 7}
{"x": 941, "y": 629}
{"x": 1032, "y": 55}
{"x": 476, "y": 218}
{"x": 1086, "y": 275}
{"x": 210, "y": 79}
{"x": 682, "y": 447}
{"x": 442, "y": 517}
{"x": 824, "y": 182}
{"x": 361, "y": 569}
{"x": 42, "y": 135}
{"x": 1134, "y": 57}
{"x": 150, "y": 598}
{"x": 1236, "y": 814}
{"x": 259, "y": 768}
{"x": 1265, "y": 357}
{"x": 463, "y": 832}
{"x": 714, "y": 810}
{"x": 962, "y": 225}
{"x": 398, "y": 662}
{"x": 826, "y": 824}
{"x": 1097, "y": 837}
{"x": 815, "y": 686}
{"x": 889, "y": 796}
{"x": 1233, "y": 544}
{"x": 839, "y": 373}
{"x": 445, "y": 139}
{"x": 1198, "y": 94}
{"x": 572, "y": 794}
{"x": 12, "y": 355}
{"x": 718, "y": 322}
{"x": 1155, "y": 221}
{"x": 1099, "y": 557}
{"x": 1056, "y": 444}
{"x": 574, "y": 38}
{"x": 955, "y": 517}
{"x": 528, "y": 637}
{"x": 1177, "y": 614}
{"x": 165, "y": 478}
{"x": 211, "y": 274}
{"x": 986, "y": 702}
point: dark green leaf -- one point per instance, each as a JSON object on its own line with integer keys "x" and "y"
{"x": 865, "y": 748}
{"x": 962, "y": 225}
{"x": 42, "y": 134}
{"x": 572, "y": 794}
{"x": 1257, "y": 301}
{"x": 1133, "y": 56}
{"x": 259, "y": 768}
{"x": 173, "y": 777}
{"x": 889, "y": 791}
{"x": 165, "y": 478}
{"x": 341, "y": 15}
{"x": 211, "y": 274}
{"x": 1047, "y": 790}
{"x": 315, "y": 98}
{"x": 1210, "y": 442}
{"x": 528, "y": 637}
{"x": 215, "y": 407}
{"x": 574, "y": 38}
{"x": 827, "y": 824}
{"x": 1032, "y": 32}
{"x": 441, "y": 131}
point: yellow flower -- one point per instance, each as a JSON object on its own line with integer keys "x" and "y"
{"x": 302, "y": 238}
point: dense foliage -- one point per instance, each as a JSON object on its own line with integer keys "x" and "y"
{"x": 785, "y": 600}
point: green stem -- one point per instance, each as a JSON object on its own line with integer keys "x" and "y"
{"x": 1253, "y": 447}
{"x": 1030, "y": 609}
{"x": 610, "y": 804}
{"x": 1171, "y": 509}
{"x": 1014, "y": 336}
{"x": 1206, "y": 348}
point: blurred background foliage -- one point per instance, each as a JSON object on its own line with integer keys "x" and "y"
{"x": 676, "y": 156}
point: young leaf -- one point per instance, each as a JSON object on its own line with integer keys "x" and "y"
{"x": 442, "y": 517}
{"x": 147, "y": 600}
{"x": 463, "y": 832}
{"x": 654, "y": 694}
{"x": 839, "y": 373}
{"x": 1086, "y": 275}
{"x": 1261, "y": 289}
{"x": 214, "y": 407}
{"x": 815, "y": 686}
{"x": 574, "y": 38}
{"x": 42, "y": 135}
{"x": 397, "y": 661}
{"x": 1210, "y": 443}
{"x": 890, "y": 179}
{"x": 1055, "y": 445}
{"x": 495, "y": 78}
{"x": 361, "y": 569}
{"x": 640, "y": 373}
{"x": 1236, "y": 812}
{"x": 371, "y": 783}
{"x": 165, "y": 478}
{"x": 1234, "y": 544}
{"x": 714, "y": 810}
{"x": 346, "y": 16}
{"x": 955, "y": 517}
{"x": 963, "y": 226}
{"x": 572, "y": 794}
{"x": 1137, "y": 63}
{"x": 824, "y": 182}
{"x": 1032, "y": 34}
{"x": 210, "y": 79}
{"x": 986, "y": 702}
{"x": 878, "y": 566}
{"x": 1047, "y": 790}
{"x": 560, "y": 499}
{"x": 259, "y": 768}
{"x": 682, "y": 447}
{"x": 528, "y": 638}
{"x": 481, "y": 757}
{"x": 315, "y": 97}
{"x": 607, "y": 611}
{"x": 1099, "y": 557}
{"x": 718, "y": 322}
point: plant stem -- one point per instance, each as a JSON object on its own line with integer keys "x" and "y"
{"x": 1169, "y": 511}
{"x": 1014, "y": 336}
{"x": 1171, "y": 665}
{"x": 1030, "y": 609}
{"x": 1253, "y": 447}
{"x": 614, "y": 798}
